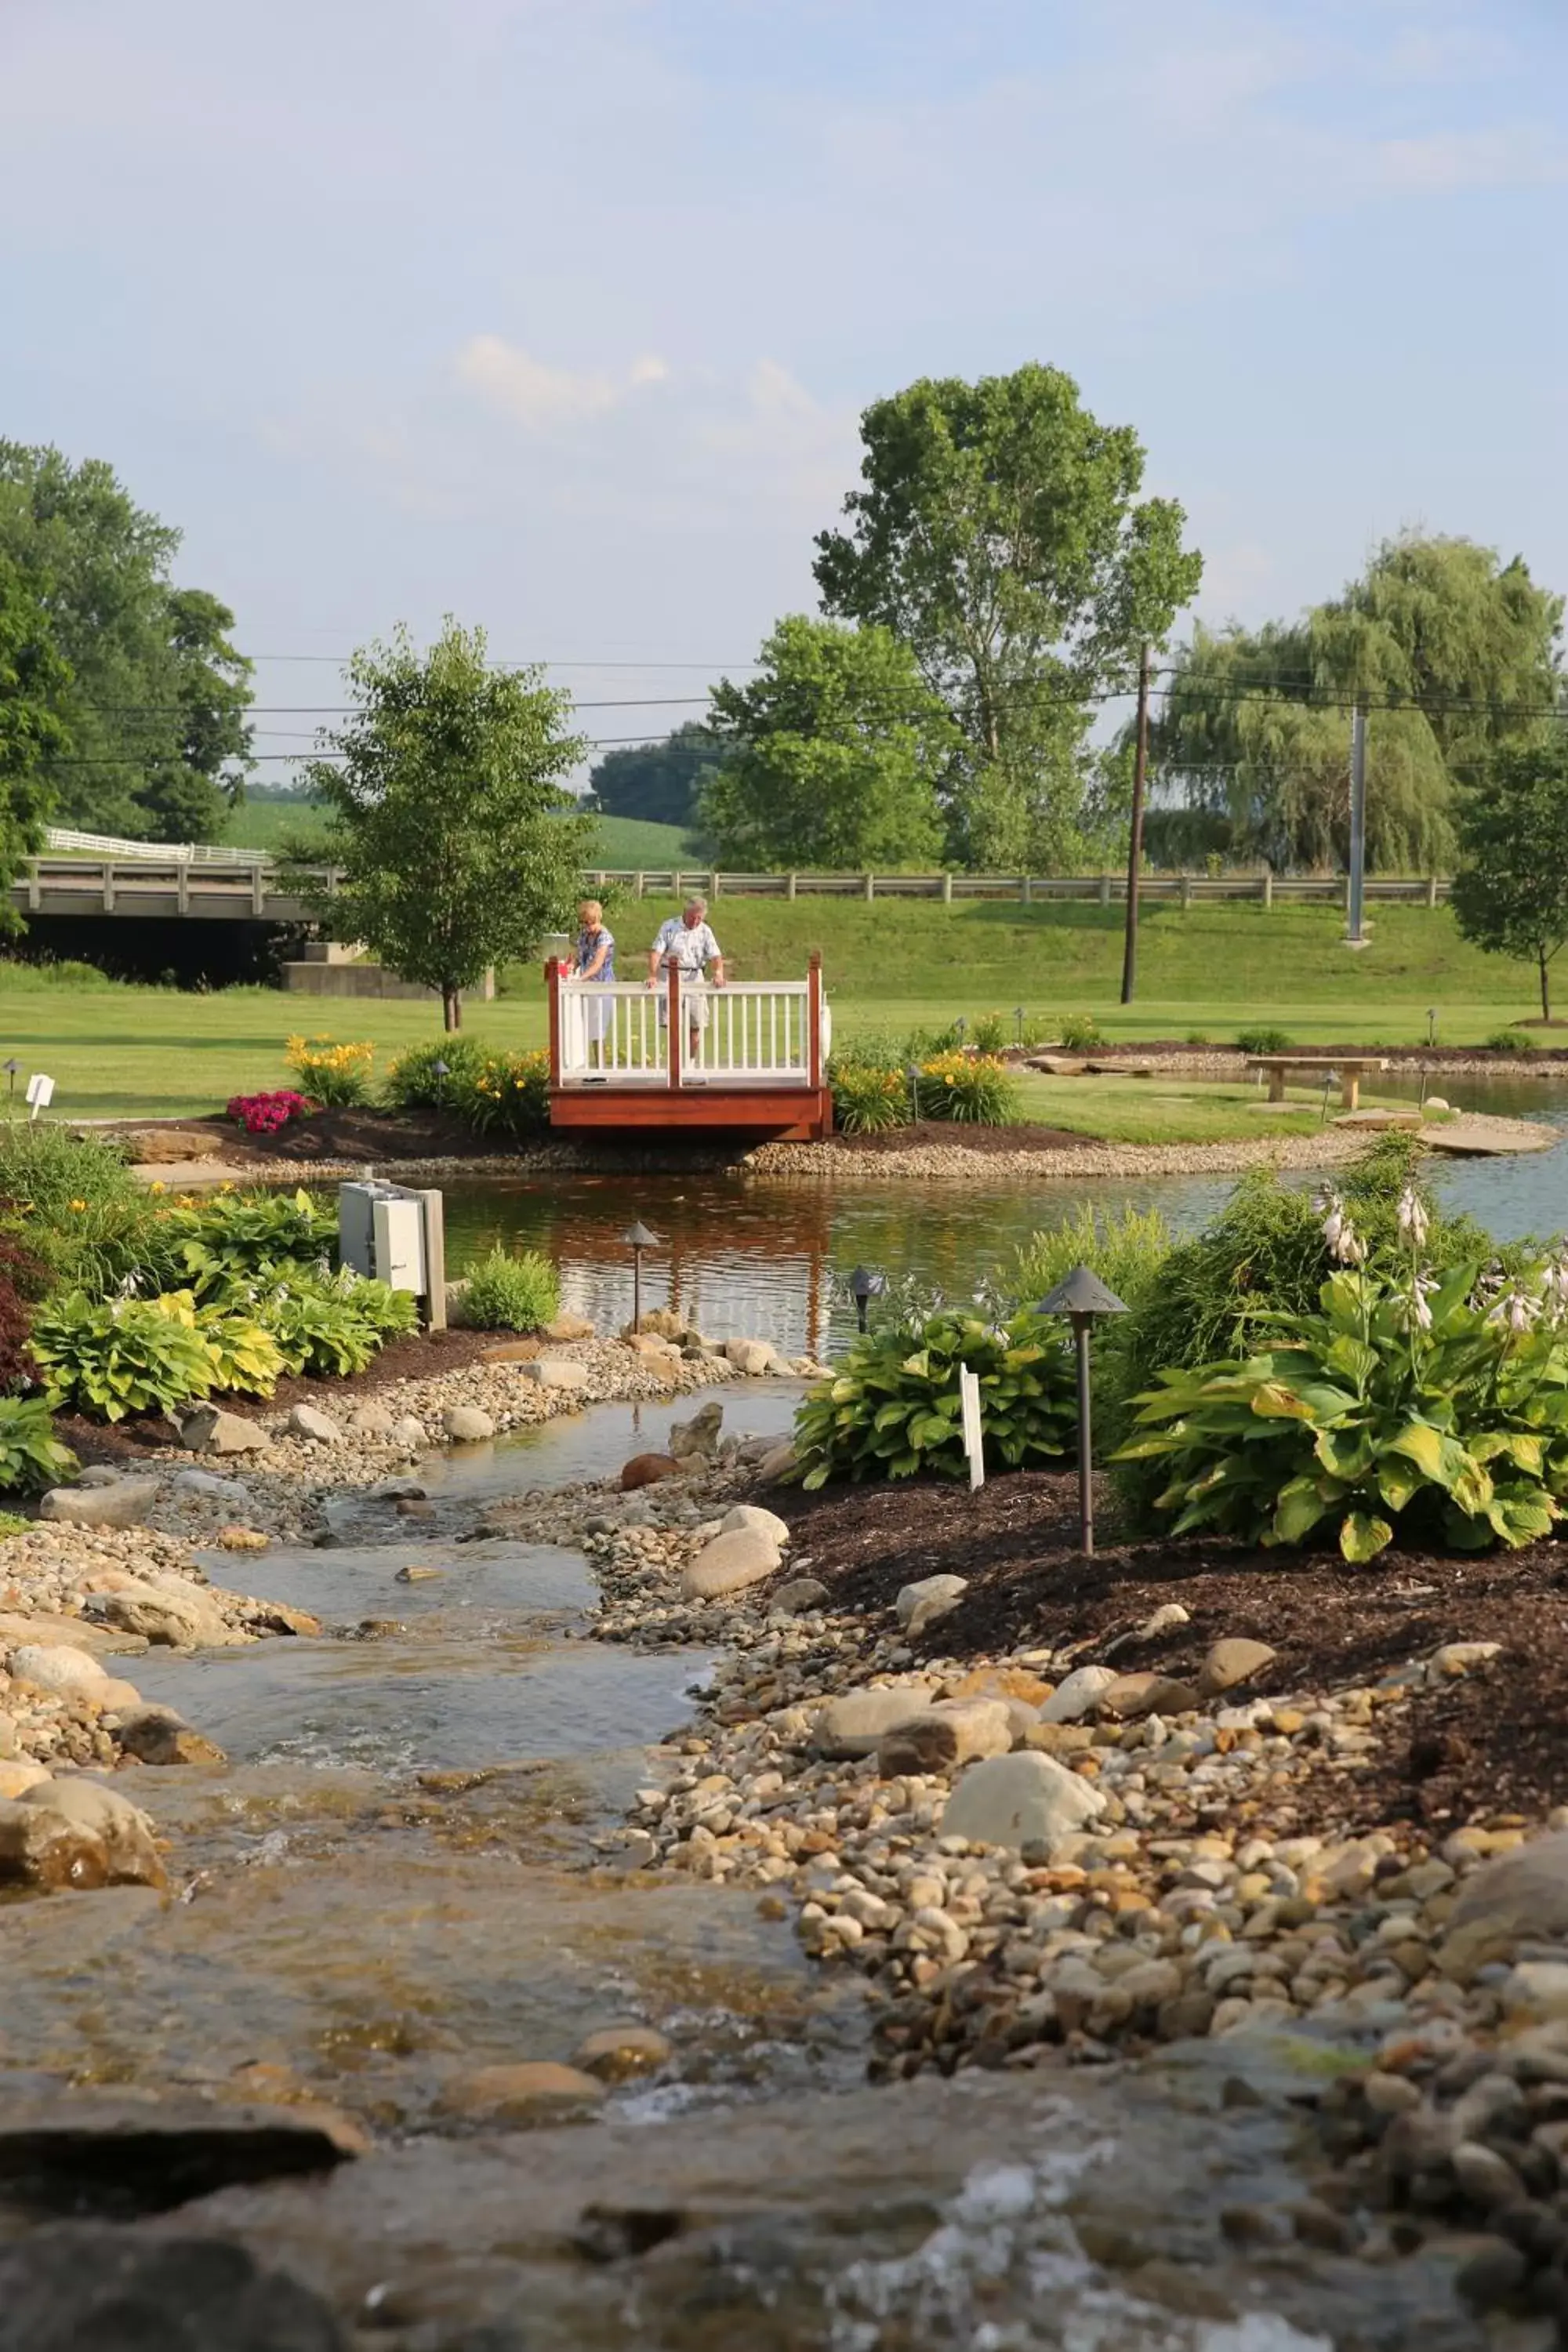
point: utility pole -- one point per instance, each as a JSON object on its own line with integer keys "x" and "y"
{"x": 1135, "y": 843}
{"x": 1356, "y": 937}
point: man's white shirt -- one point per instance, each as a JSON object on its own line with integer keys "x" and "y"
{"x": 691, "y": 949}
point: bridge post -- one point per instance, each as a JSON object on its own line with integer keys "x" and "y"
{"x": 106, "y": 877}
{"x": 675, "y": 1016}
{"x": 553, "y": 994}
{"x": 183, "y": 886}
{"x": 258, "y": 890}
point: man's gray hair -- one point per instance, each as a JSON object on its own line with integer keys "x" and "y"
{"x": 695, "y": 907}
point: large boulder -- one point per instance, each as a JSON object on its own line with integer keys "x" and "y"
{"x": 857, "y": 1722}
{"x": 125, "y": 1503}
{"x": 555, "y": 1373}
{"x": 79, "y": 2283}
{"x": 468, "y": 1424}
{"x": 1520, "y": 1897}
{"x": 563, "y": 1329}
{"x": 157, "y": 1735}
{"x": 929, "y": 1600}
{"x": 730, "y": 1564}
{"x": 753, "y": 1357}
{"x": 953, "y": 1733}
{"x": 372, "y": 1419}
{"x": 56, "y": 1667}
{"x": 1233, "y": 1661}
{"x": 210, "y": 1429}
{"x": 76, "y": 1832}
{"x": 647, "y": 1470}
{"x": 699, "y": 1435}
{"x": 309, "y": 1421}
{"x": 1017, "y": 1801}
{"x": 779, "y": 1462}
{"x": 760, "y": 1522}
{"x": 409, "y": 1433}
{"x": 1078, "y": 1693}
{"x": 179, "y": 1615}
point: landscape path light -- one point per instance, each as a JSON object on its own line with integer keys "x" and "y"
{"x": 12, "y": 1066}
{"x": 1019, "y": 1022}
{"x": 864, "y": 1285}
{"x": 440, "y": 1073}
{"x": 639, "y": 1239}
{"x": 913, "y": 1075}
{"x": 1081, "y": 1297}
{"x": 1431, "y": 1025}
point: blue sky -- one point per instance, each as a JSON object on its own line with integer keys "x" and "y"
{"x": 558, "y": 314}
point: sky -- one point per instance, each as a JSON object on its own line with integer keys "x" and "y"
{"x": 558, "y": 315}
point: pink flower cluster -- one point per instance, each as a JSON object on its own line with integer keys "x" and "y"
{"x": 266, "y": 1114}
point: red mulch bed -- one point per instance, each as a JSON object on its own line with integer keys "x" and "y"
{"x": 923, "y": 1132}
{"x": 1496, "y": 1740}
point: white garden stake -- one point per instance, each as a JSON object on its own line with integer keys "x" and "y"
{"x": 969, "y": 1403}
{"x": 40, "y": 1092}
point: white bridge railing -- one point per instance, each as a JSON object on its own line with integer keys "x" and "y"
{"x": 774, "y": 1033}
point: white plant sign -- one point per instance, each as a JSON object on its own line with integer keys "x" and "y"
{"x": 40, "y": 1092}
{"x": 969, "y": 1404}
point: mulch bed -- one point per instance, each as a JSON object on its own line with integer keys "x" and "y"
{"x": 923, "y": 1133}
{"x": 371, "y": 1134}
{"x": 1497, "y": 1740}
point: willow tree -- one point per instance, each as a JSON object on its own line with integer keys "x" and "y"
{"x": 447, "y": 812}
{"x": 1450, "y": 651}
{"x": 1001, "y": 534}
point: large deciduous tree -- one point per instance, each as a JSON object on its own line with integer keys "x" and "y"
{"x": 656, "y": 781}
{"x": 34, "y": 681}
{"x": 448, "y": 817}
{"x": 831, "y": 756}
{"x": 1000, "y": 533}
{"x": 157, "y": 697}
{"x": 1510, "y": 892}
{"x": 1450, "y": 650}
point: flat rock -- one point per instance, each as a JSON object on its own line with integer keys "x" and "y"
{"x": 1520, "y": 1896}
{"x": 1233, "y": 1661}
{"x": 1015, "y": 1683}
{"x": 647, "y": 1470}
{"x": 1016, "y": 1800}
{"x": 761, "y": 1522}
{"x": 1132, "y": 1696}
{"x": 210, "y": 1486}
{"x": 535, "y": 2091}
{"x": 1078, "y": 1693}
{"x": 309, "y": 1421}
{"x": 779, "y": 1462}
{"x": 730, "y": 1564}
{"x": 562, "y": 1328}
{"x": 373, "y": 1420}
{"x": 77, "y": 1632}
{"x": 511, "y": 1351}
{"x": 948, "y": 1735}
{"x": 76, "y": 2283}
{"x": 556, "y": 1372}
{"x": 617, "y": 2051}
{"x": 124, "y": 1505}
{"x": 801, "y": 1594}
{"x": 858, "y": 1721}
{"x": 466, "y": 1425}
{"x": 699, "y": 1435}
{"x": 210, "y": 1429}
{"x": 56, "y": 1667}
{"x": 927, "y": 1601}
{"x": 81, "y": 2149}
{"x": 180, "y": 1616}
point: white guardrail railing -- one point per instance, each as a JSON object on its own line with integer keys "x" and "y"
{"x": 617, "y": 1032}
{"x": 161, "y": 852}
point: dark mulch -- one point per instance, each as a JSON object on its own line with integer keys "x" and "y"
{"x": 1496, "y": 1740}
{"x": 419, "y": 1356}
{"x": 371, "y": 1134}
{"x": 925, "y": 1131}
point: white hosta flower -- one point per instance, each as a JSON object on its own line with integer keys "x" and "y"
{"x": 1413, "y": 1219}
{"x": 1516, "y": 1310}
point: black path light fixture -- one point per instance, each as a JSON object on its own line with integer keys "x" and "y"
{"x": 639, "y": 1238}
{"x": 864, "y": 1285}
{"x": 1081, "y": 1297}
{"x": 1018, "y": 1019}
{"x": 913, "y": 1075}
{"x": 11, "y": 1068}
{"x": 440, "y": 1073}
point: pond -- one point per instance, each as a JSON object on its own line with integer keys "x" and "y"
{"x": 744, "y": 1255}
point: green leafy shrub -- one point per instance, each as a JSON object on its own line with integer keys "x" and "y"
{"x": 867, "y": 1100}
{"x": 504, "y": 1095}
{"x": 31, "y": 1456}
{"x": 893, "y": 1409}
{"x": 1126, "y": 1247}
{"x": 1511, "y": 1041}
{"x": 107, "y": 1358}
{"x": 1262, "y": 1039}
{"x": 246, "y": 1359}
{"x": 969, "y": 1089}
{"x": 412, "y": 1083}
{"x": 991, "y": 1032}
{"x": 237, "y": 1239}
{"x": 1080, "y": 1033}
{"x": 75, "y": 1206}
{"x": 12, "y": 1524}
{"x": 510, "y": 1294}
{"x": 1198, "y": 1037}
{"x": 336, "y": 1076}
{"x": 1421, "y": 1403}
{"x": 333, "y": 1326}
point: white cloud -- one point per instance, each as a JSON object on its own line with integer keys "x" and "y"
{"x": 1469, "y": 159}
{"x": 540, "y": 397}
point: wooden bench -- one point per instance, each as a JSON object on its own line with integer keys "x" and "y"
{"x": 1352, "y": 1069}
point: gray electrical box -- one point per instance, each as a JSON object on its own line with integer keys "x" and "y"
{"x": 395, "y": 1235}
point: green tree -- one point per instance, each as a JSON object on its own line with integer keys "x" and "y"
{"x": 1510, "y": 892}
{"x": 447, "y": 810}
{"x": 157, "y": 699}
{"x": 656, "y": 781}
{"x": 1001, "y": 534}
{"x": 33, "y": 682}
{"x": 831, "y": 755}
{"x": 1451, "y": 651}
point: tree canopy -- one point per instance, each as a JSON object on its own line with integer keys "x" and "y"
{"x": 1451, "y": 651}
{"x": 1000, "y": 533}
{"x": 1510, "y": 892}
{"x": 156, "y": 695}
{"x": 831, "y": 756}
{"x": 656, "y": 781}
{"x": 447, "y": 812}
{"x": 33, "y": 682}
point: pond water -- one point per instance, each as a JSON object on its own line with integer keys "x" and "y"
{"x": 759, "y": 1257}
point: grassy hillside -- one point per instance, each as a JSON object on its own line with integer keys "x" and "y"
{"x": 619, "y": 841}
{"x": 268, "y": 825}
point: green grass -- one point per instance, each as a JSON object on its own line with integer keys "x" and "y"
{"x": 618, "y": 841}
{"x": 1171, "y": 1110}
{"x": 269, "y": 825}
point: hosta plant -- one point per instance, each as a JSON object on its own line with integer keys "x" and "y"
{"x": 335, "y": 1326}
{"x": 31, "y": 1456}
{"x": 893, "y": 1409}
{"x": 1436, "y": 1405}
{"x": 246, "y": 1238}
{"x": 110, "y": 1357}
